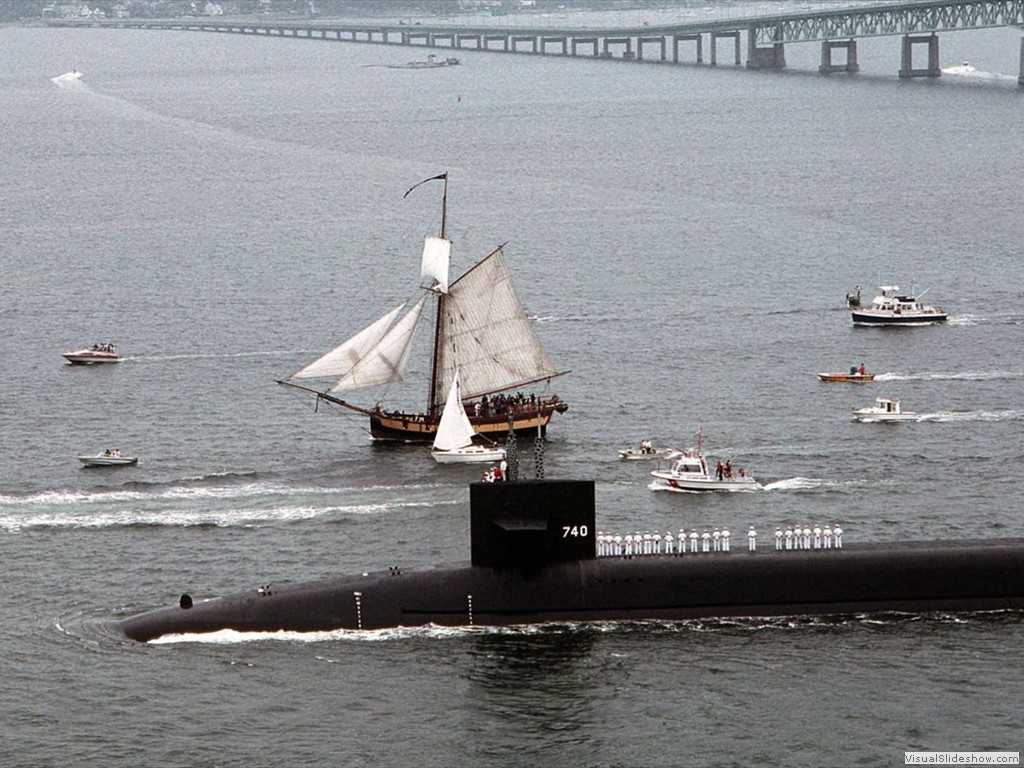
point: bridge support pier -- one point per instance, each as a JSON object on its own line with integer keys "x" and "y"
{"x": 606, "y": 52}
{"x": 715, "y": 37}
{"x": 907, "y": 59}
{"x": 1020, "y": 77}
{"x": 676, "y": 39}
{"x": 827, "y": 67}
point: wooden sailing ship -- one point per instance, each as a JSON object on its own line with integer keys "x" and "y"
{"x": 480, "y": 330}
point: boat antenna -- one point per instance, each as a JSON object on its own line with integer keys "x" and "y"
{"x": 444, "y": 198}
{"x": 922, "y": 293}
{"x": 511, "y": 451}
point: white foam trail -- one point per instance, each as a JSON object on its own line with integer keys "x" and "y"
{"x": 176, "y": 493}
{"x": 794, "y": 484}
{"x": 950, "y": 376}
{"x": 965, "y": 320}
{"x": 966, "y": 70}
{"x": 1008, "y": 415}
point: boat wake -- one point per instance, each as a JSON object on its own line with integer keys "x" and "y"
{"x": 1006, "y": 415}
{"x": 811, "y": 484}
{"x": 647, "y": 627}
{"x": 245, "y": 504}
{"x": 966, "y": 70}
{"x": 215, "y": 355}
{"x": 950, "y": 376}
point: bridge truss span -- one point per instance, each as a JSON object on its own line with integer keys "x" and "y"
{"x": 885, "y": 20}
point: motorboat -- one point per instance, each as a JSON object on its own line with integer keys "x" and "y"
{"x": 645, "y": 451}
{"x": 891, "y": 307}
{"x": 854, "y": 375}
{"x": 98, "y": 353}
{"x": 453, "y": 443}
{"x": 433, "y": 62}
{"x": 689, "y": 472}
{"x": 885, "y": 409}
{"x": 109, "y": 458}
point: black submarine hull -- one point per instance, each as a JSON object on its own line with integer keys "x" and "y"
{"x": 533, "y": 562}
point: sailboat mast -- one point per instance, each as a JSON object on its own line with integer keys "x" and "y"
{"x": 431, "y": 397}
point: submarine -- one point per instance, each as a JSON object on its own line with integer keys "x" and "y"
{"x": 535, "y": 559}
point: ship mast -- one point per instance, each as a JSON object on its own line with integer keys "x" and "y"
{"x": 431, "y": 402}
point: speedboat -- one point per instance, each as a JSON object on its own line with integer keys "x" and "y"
{"x": 884, "y": 409}
{"x": 99, "y": 353}
{"x": 890, "y": 307}
{"x": 645, "y": 452}
{"x": 855, "y": 374}
{"x": 433, "y": 62}
{"x": 689, "y": 472}
{"x": 109, "y": 458}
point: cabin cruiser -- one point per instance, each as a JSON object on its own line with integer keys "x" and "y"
{"x": 99, "y": 353}
{"x": 689, "y": 472}
{"x": 885, "y": 409}
{"x": 109, "y": 458}
{"x": 890, "y": 307}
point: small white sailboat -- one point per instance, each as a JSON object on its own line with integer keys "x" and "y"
{"x": 453, "y": 443}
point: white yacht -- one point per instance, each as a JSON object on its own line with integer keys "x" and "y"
{"x": 890, "y": 307}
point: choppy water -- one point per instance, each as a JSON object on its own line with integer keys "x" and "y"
{"x": 226, "y": 208}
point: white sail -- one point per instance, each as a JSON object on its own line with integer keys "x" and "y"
{"x": 436, "y": 255}
{"x": 486, "y": 335}
{"x": 348, "y": 354}
{"x": 454, "y": 431}
{"x": 386, "y": 361}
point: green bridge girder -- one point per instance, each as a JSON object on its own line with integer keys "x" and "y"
{"x": 888, "y": 19}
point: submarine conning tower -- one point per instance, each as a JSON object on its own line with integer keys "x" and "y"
{"x": 531, "y": 523}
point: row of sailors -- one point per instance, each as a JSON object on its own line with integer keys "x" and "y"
{"x": 613, "y": 545}
{"x": 809, "y": 538}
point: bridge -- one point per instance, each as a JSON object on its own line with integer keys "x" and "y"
{"x": 919, "y": 23}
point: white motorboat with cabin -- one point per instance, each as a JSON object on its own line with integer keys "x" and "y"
{"x": 885, "y": 409}
{"x": 109, "y": 458}
{"x": 891, "y": 307}
{"x": 99, "y": 353}
{"x": 453, "y": 443}
{"x": 689, "y": 472}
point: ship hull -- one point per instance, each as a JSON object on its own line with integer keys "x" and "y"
{"x": 911, "y": 577}
{"x": 868, "y": 317}
{"x": 412, "y": 428}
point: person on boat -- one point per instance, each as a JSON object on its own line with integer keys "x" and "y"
{"x": 853, "y": 370}
{"x": 719, "y": 469}
{"x": 728, "y": 468}
{"x": 107, "y": 452}
{"x": 863, "y": 371}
